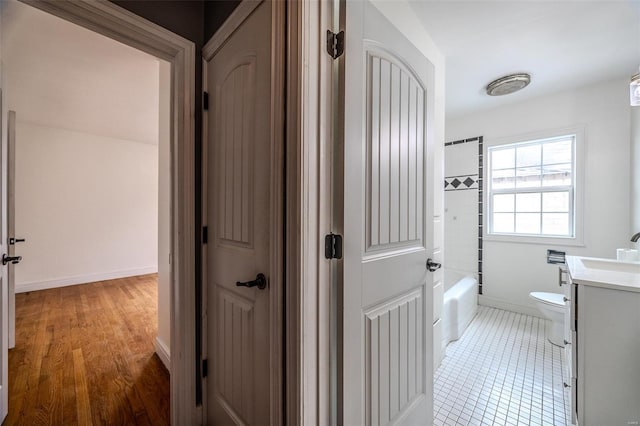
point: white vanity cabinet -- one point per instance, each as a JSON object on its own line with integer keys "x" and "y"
{"x": 603, "y": 350}
{"x": 569, "y": 367}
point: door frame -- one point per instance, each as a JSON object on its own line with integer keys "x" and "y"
{"x": 11, "y": 222}
{"x": 110, "y": 20}
{"x": 314, "y": 199}
{"x": 304, "y": 304}
{"x": 311, "y": 204}
{"x": 277, "y": 198}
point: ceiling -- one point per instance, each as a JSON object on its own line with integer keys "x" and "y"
{"x": 562, "y": 44}
{"x": 61, "y": 75}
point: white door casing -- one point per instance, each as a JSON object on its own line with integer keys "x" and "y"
{"x": 244, "y": 218}
{"x": 388, "y": 232}
{"x": 11, "y": 223}
{"x": 4, "y": 288}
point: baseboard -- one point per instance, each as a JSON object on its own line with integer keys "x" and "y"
{"x": 163, "y": 352}
{"x": 508, "y": 306}
{"x": 83, "y": 279}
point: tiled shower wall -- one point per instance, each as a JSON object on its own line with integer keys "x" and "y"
{"x": 463, "y": 206}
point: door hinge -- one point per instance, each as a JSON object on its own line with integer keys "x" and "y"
{"x": 333, "y": 246}
{"x": 335, "y": 44}
{"x": 205, "y": 367}
{"x": 205, "y": 101}
{"x": 205, "y": 234}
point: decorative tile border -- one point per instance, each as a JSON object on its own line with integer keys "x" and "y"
{"x": 458, "y": 183}
{"x": 476, "y": 139}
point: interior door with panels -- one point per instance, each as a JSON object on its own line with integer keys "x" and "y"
{"x": 240, "y": 214}
{"x": 4, "y": 290}
{"x": 388, "y": 223}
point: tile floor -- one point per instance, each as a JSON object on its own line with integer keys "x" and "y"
{"x": 502, "y": 371}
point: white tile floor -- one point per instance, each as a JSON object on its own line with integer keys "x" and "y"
{"x": 502, "y": 371}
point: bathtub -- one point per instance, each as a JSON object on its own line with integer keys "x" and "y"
{"x": 460, "y": 304}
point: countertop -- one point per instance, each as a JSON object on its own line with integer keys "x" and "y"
{"x": 628, "y": 280}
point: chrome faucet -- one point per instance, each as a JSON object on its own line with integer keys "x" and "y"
{"x": 635, "y": 238}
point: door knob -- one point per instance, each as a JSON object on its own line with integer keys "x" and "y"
{"x": 12, "y": 240}
{"x": 260, "y": 282}
{"x": 433, "y": 266}
{"x": 13, "y": 259}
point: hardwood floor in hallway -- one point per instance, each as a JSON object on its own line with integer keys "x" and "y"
{"x": 85, "y": 355}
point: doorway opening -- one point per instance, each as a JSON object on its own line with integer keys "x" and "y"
{"x": 110, "y": 173}
{"x": 88, "y": 210}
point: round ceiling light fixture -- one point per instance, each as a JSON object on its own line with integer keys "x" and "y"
{"x": 508, "y": 84}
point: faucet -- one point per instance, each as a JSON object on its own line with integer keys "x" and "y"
{"x": 635, "y": 237}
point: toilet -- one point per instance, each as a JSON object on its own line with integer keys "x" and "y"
{"x": 552, "y": 307}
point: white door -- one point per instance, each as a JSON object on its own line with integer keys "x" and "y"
{"x": 388, "y": 224}
{"x": 4, "y": 288}
{"x": 238, "y": 216}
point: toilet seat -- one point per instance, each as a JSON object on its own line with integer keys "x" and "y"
{"x": 552, "y": 299}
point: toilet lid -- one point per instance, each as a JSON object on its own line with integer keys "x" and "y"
{"x": 549, "y": 298}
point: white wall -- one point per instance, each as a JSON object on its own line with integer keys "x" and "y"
{"x": 64, "y": 75}
{"x": 512, "y": 270}
{"x": 163, "y": 340}
{"x": 86, "y": 151}
{"x": 87, "y": 206}
{"x": 461, "y": 209}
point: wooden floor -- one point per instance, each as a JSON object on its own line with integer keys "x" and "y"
{"x": 85, "y": 355}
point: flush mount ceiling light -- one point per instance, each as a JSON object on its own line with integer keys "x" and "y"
{"x": 508, "y": 84}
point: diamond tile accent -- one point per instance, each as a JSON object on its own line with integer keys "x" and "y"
{"x": 453, "y": 183}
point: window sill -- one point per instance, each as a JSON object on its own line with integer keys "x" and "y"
{"x": 541, "y": 240}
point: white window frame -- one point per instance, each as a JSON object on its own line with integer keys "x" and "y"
{"x": 576, "y": 191}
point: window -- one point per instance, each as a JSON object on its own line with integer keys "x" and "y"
{"x": 532, "y": 188}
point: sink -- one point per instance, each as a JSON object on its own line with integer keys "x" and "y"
{"x": 611, "y": 265}
{"x": 604, "y": 273}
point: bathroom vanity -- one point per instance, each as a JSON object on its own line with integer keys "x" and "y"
{"x": 602, "y": 341}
